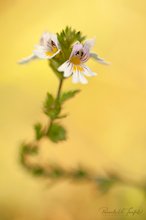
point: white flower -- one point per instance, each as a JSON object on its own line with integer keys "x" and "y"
{"x": 75, "y": 65}
{"x": 48, "y": 48}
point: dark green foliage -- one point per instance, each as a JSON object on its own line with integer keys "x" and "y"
{"x": 29, "y": 149}
{"x": 67, "y": 38}
{"x": 52, "y": 107}
{"x": 56, "y": 133}
{"x": 67, "y": 95}
{"x": 37, "y": 170}
{"x": 54, "y": 64}
{"x": 49, "y": 103}
{"x": 39, "y": 133}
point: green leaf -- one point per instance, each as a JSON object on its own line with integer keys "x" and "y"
{"x": 54, "y": 112}
{"x": 27, "y": 149}
{"x": 80, "y": 173}
{"x": 38, "y": 131}
{"x": 67, "y": 38}
{"x": 52, "y": 108}
{"x": 57, "y": 133}
{"x": 67, "y": 95}
{"x": 54, "y": 64}
{"x": 61, "y": 116}
{"x": 49, "y": 101}
{"x": 37, "y": 170}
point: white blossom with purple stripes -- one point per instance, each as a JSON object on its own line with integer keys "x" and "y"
{"x": 47, "y": 48}
{"x": 75, "y": 66}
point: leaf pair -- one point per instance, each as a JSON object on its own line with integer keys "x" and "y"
{"x": 52, "y": 108}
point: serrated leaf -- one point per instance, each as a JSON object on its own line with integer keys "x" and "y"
{"x": 57, "y": 133}
{"x": 49, "y": 101}
{"x": 67, "y": 95}
{"x": 67, "y": 38}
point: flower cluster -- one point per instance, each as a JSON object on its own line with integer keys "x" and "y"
{"x": 50, "y": 46}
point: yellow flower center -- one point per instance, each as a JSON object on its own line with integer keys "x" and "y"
{"x": 50, "y": 53}
{"x": 78, "y": 68}
{"x": 75, "y": 60}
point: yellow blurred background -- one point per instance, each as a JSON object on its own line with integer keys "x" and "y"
{"x": 107, "y": 121}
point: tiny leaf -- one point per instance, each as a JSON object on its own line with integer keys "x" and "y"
{"x": 57, "y": 133}
{"x": 52, "y": 108}
{"x": 38, "y": 131}
{"x": 37, "y": 170}
{"x": 67, "y": 95}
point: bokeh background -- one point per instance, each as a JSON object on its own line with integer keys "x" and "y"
{"x": 106, "y": 123}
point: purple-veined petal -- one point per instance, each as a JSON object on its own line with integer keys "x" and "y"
{"x": 89, "y": 44}
{"x": 76, "y": 47}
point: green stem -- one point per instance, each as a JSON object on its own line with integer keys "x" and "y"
{"x": 57, "y": 97}
{"x": 59, "y": 88}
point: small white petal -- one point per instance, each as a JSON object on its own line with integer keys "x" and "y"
{"x": 46, "y": 40}
{"x": 63, "y": 67}
{"x": 40, "y": 52}
{"x": 82, "y": 79}
{"x": 89, "y": 43}
{"x": 68, "y": 70}
{"x": 75, "y": 77}
{"x": 87, "y": 71}
{"x": 98, "y": 59}
{"x": 27, "y": 59}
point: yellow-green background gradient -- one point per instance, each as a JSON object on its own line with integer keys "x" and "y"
{"x": 107, "y": 120}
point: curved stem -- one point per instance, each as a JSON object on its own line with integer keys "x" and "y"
{"x": 57, "y": 172}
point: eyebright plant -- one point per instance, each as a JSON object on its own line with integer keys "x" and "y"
{"x": 67, "y": 52}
